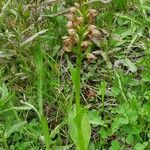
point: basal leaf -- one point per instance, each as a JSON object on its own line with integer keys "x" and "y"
{"x": 79, "y": 121}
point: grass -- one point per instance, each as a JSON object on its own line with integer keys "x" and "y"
{"x": 37, "y": 92}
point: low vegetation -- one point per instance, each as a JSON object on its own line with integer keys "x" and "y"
{"x": 75, "y": 74}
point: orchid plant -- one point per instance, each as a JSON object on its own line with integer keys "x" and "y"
{"x": 81, "y": 33}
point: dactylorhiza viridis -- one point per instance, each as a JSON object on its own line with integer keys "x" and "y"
{"x": 81, "y": 34}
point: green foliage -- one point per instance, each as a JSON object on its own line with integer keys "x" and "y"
{"x": 36, "y": 91}
{"x": 45, "y": 132}
{"x": 80, "y": 130}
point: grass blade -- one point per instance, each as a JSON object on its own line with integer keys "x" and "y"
{"x": 39, "y": 73}
{"x": 45, "y": 132}
{"x": 30, "y": 39}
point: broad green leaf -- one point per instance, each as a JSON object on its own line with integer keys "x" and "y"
{"x": 129, "y": 139}
{"x": 115, "y": 145}
{"x": 145, "y": 110}
{"x": 132, "y": 128}
{"x": 115, "y": 91}
{"x": 140, "y": 146}
{"x": 127, "y": 111}
{"x": 86, "y": 131}
{"x": 118, "y": 122}
{"x": 131, "y": 114}
{"x": 78, "y": 117}
{"x": 103, "y": 133}
{"x": 94, "y": 118}
{"x": 91, "y": 146}
{"x": 83, "y": 124}
{"x": 122, "y": 109}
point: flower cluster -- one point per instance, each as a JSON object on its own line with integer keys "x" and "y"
{"x": 81, "y": 30}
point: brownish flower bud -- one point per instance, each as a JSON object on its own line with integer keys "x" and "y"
{"x": 73, "y": 10}
{"x": 66, "y": 41}
{"x": 73, "y": 35}
{"x": 95, "y": 36}
{"x": 76, "y": 5}
{"x": 67, "y": 49}
{"x": 69, "y": 24}
{"x": 70, "y": 16}
{"x": 93, "y": 12}
{"x": 79, "y": 20}
{"x": 72, "y": 32}
{"x": 85, "y": 45}
{"x": 96, "y": 33}
{"x": 90, "y": 57}
{"x": 91, "y": 28}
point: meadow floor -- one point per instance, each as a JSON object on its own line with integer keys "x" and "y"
{"x": 72, "y": 95}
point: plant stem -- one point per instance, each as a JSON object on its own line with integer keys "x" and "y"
{"x": 77, "y": 97}
{"x": 77, "y": 83}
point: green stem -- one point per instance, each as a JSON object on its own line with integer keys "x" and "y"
{"x": 77, "y": 84}
{"x": 77, "y": 94}
{"x": 77, "y": 97}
